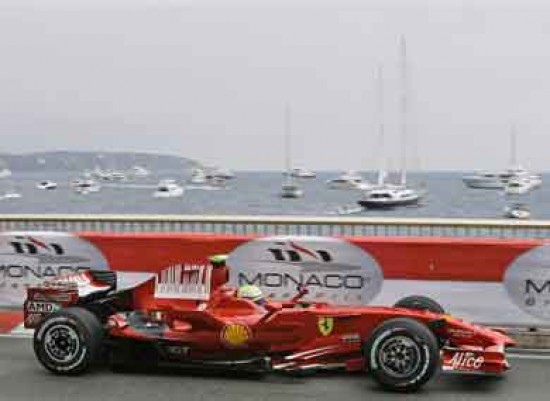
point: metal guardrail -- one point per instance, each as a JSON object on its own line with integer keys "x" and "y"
{"x": 280, "y": 225}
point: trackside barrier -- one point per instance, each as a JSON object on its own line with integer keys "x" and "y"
{"x": 501, "y": 282}
{"x": 280, "y": 225}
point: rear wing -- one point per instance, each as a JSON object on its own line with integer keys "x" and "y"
{"x": 61, "y": 292}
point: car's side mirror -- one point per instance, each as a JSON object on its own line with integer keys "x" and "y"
{"x": 272, "y": 308}
{"x": 302, "y": 290}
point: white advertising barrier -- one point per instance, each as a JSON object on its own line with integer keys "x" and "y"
{"x": 527, "y": 281}
{"x": 332, "y": 269}
{"x": 29, "y": 258}
{"x": 339, "y": 272}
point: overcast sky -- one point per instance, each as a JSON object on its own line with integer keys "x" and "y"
{"x": 209, "y": 80}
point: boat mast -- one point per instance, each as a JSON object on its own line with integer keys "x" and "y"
{"x": 513, "y": 150}
{"x": 287, "y": 128}
{"x": 381, "y": 127}
{"x": 404, "y": 111}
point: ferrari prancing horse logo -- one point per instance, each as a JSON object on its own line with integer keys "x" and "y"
{"x": 325, "y": 325}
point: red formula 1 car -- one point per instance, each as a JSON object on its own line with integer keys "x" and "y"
{"x": 187, "y": 316}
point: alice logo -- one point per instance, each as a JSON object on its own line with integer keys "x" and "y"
{"x": 235, "y": 334}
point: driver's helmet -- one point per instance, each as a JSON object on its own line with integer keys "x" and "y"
{"x": 218, "y": 260}
{"x": 252, "y": 293}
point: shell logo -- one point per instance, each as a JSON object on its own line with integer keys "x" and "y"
{"x": 236, "y": 335}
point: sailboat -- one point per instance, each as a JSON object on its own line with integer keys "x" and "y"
{"x": 5, "y": 172}
{"x": 384, "y": 194}
{"x": 515, "y": 180}
{"x": 290, "y": 188}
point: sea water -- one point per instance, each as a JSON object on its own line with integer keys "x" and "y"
{"x": 257, "y": 193}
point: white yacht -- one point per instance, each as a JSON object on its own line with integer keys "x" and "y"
{"x": 198, "y": 176}
{"x": 168, "y": 189}
{"x": 220, "y": 173}
{"x": 48, "y": 185}
{"x": 519, "y": 185}
{"x": 517, "y": 211}
{"x": 139, "y": 172}
{"x": 108, "y": 175}
{"x": 389, "y": 196}
{"x": 10, "y": 195}
{"x": 301, "y": 172}
{"x": 85, "y": 186}
{"x": 291, "y": 190}
{"x": 5, "y": 172}
{"x": 499, "y": 179}
{"x": 347, "y": 180}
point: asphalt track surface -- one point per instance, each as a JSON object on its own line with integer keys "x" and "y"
{"x": 22, "y": 378}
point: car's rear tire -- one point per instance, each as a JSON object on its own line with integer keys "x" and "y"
{"x": 69, "y": 341}
{"x": 402, "y": 354}
{"x": 420, "y": 302}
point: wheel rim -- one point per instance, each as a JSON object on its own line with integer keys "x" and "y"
{"x": 399, "y": 356}
{"x": 61, "y": 343}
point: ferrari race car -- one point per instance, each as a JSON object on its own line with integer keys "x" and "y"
{"x": 188, "y": 316}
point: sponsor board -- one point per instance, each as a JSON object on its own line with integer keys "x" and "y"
{"x": 527, "y": 281}
{"x": 30, "y": 258}
{"x": 332, "y": 269}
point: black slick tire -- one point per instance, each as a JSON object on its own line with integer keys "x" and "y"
{"x": 420, "y": 302}
{"x": 69, "y": 341}
{"x": 402, "y": 355}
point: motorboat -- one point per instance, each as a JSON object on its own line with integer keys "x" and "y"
{"x": 291, "y": 190}
{"x": 48, "y": 185}
{"x": 347, "y": 209}
{"x": 10, "y": 195}
{"x": 114, "y": 175}
{"x": 139, "y": 172}
{"x": 107, "y": 175}
{"x": 85, "y": 186}
{"x": 517, "y": 211}
{"x": 198, "y": 176}
{"x": 520, "y": 177}
{"x": 5, "y": 172}
{"x": 168, "y": 189}
{"x": 500, "y": 179}
{"x": 200, "y": 179}
{"x": 301, "y": 172}
{"x": 347, "y": 180}
{"x": 519, "y": 186}
{"x": 220, "y": 173}
{"x": 389, "y": 196}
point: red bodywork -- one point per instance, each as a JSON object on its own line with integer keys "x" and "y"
{"x": 293, "y": 335}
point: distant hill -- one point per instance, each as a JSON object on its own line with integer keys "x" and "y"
{"x": 78, "y": 161}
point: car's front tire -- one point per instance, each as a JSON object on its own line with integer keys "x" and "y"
{"x": 420, "y": 302}
{"x": 69, "y": 341}
{"x": 402, "y": 354}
